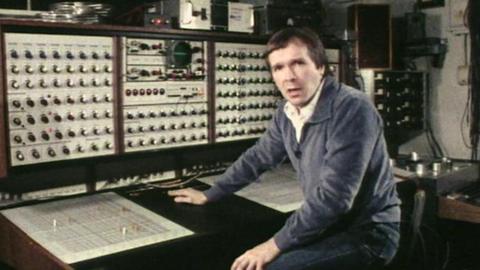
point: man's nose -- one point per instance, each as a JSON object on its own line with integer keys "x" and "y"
{"x": 289, "y": 73}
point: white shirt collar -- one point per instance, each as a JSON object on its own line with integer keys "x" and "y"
{"x": 300, "y": 116}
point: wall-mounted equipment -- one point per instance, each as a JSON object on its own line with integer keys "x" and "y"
{"x": 274, "y": 15}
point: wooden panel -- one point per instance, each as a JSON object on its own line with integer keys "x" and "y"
{"x": 3, "y": 110}
{"x": 22, "y": 253}
{"x": 457, "y": 210}
{"x": 373, "y": 26}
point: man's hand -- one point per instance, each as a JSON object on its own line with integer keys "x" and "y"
{"x": 257, "y": 257}
{"x": 188, "y": 195}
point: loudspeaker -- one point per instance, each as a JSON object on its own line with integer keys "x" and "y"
{"x": 373, "y": 27}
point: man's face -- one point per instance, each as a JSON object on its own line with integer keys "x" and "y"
{"x": 295, "y": 73}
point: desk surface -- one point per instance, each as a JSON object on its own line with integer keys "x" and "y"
{"x": 222, "y": 231}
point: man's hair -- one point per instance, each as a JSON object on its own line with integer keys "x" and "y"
{"x": 284, "y": 37}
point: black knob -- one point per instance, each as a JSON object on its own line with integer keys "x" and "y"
{"x": 35, "y": 154}
{"x": 30, "y": 120}
{"x": 31, "y": 137}
{"x": 58, "y": 135}
{"x": 65, "y": 150}
{"x": 51, "y": 152}
{"x": 17, "y": 121}
{"x": 71, "y": 133}
{"x": 44, "y": 119}
{"x": 13, "y": 54}
{"x": 45, "y": 136}
{"x": 17, "y": 139}
{"x": 19, "y": 156}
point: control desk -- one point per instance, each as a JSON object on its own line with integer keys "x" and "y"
{"x": 221, "y": 231}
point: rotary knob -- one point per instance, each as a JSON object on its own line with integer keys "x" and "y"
{"x": 31, "y": 137}
{"x": 70, "y": 116}
{"x": 66, "y": 150}
{"x": 56, "y": 100}
{"x": 71, "y": 133}
{"x": 43, "y": 101}
{"x": 42, "y": 54}
{"x": 43, "y": 83}
{"x": 82, "y": 83}
{"x": 13, "y": 54}
{"x": 28, "y": 54}
{"x": 44, "y": 119}
{"x": 51, "y": 152}
{"x": 70, "y": 83}
{"x": 42, "y": 69}
{"x": 19, "y": 156}
{"x": 84, "y": 115}
{"x": 30, "y": 102}
{"x": 80, "y": 149}
{"x": 17, "y": 139}
{"x": 94, "y": 147}
{"x": 29, "y": 84}
{"x": 14, "y": 69}
{"x": 82, "y": 69}
{"x": 58, "y": 135}
{"x": 17, "y": 121}
{"x": 14, "y": 84}
{"x": 70, "y": 69}
{"x": 70, "y": 100}
{"x": 35, "y": 154}
{"x": 95, "y": 69}
{"x": 69, "y": 55}
{"x": 56, "y": 55}
{"x": 56, "y": 83}
{"x": 108, "y": 145}
{"x": 30, "y": 120}
{"x": 45, "y": 136}
{"x": 56, "y": 69}
{"x": 107, "y": 69}
{"x": 16, "y": 104}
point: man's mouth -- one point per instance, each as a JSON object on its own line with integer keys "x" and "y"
{"x": 293, "y": 90}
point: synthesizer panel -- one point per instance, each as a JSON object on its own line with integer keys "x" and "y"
{"x": 165, "y": 93}
{"x": 245, "y": 96}
{"x": 59, "y": 97}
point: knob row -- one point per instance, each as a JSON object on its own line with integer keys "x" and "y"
{"x": 166, "y": 140}
{"x": 83, "y": 99}
{"x": 46, "y": 136}
{"x": 242, "y": 81}
{"x": 59, "y": 83}
{"x": 164, "y": 127}
{"x": 44, "y": 118}
{"x": 151, "y": 114}
{"x": 239, "y": 54}
{"x": 254, "y": 93}
{"x": 241, "y": 107}
{"x": 59, "y": 55}
{"x": 50, "y": 152}
{"x": 43, "y": 69}
{"x": 240, "y": 131}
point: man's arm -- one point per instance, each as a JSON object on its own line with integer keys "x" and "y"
{"x": 265, "y": 154}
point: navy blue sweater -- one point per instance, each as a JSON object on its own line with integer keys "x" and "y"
{"x": 341, "y": 162}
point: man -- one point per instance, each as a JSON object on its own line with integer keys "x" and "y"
{"x": 333, "y": 137}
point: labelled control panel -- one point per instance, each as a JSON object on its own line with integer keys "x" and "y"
{"x": 59, "y": 97}
{"x": 399, "y": 98}
{"x": 164, "y": 93}
{"x": 245, "y": 95}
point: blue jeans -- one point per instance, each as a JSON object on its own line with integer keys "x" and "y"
{"x": 365, "y": 247}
